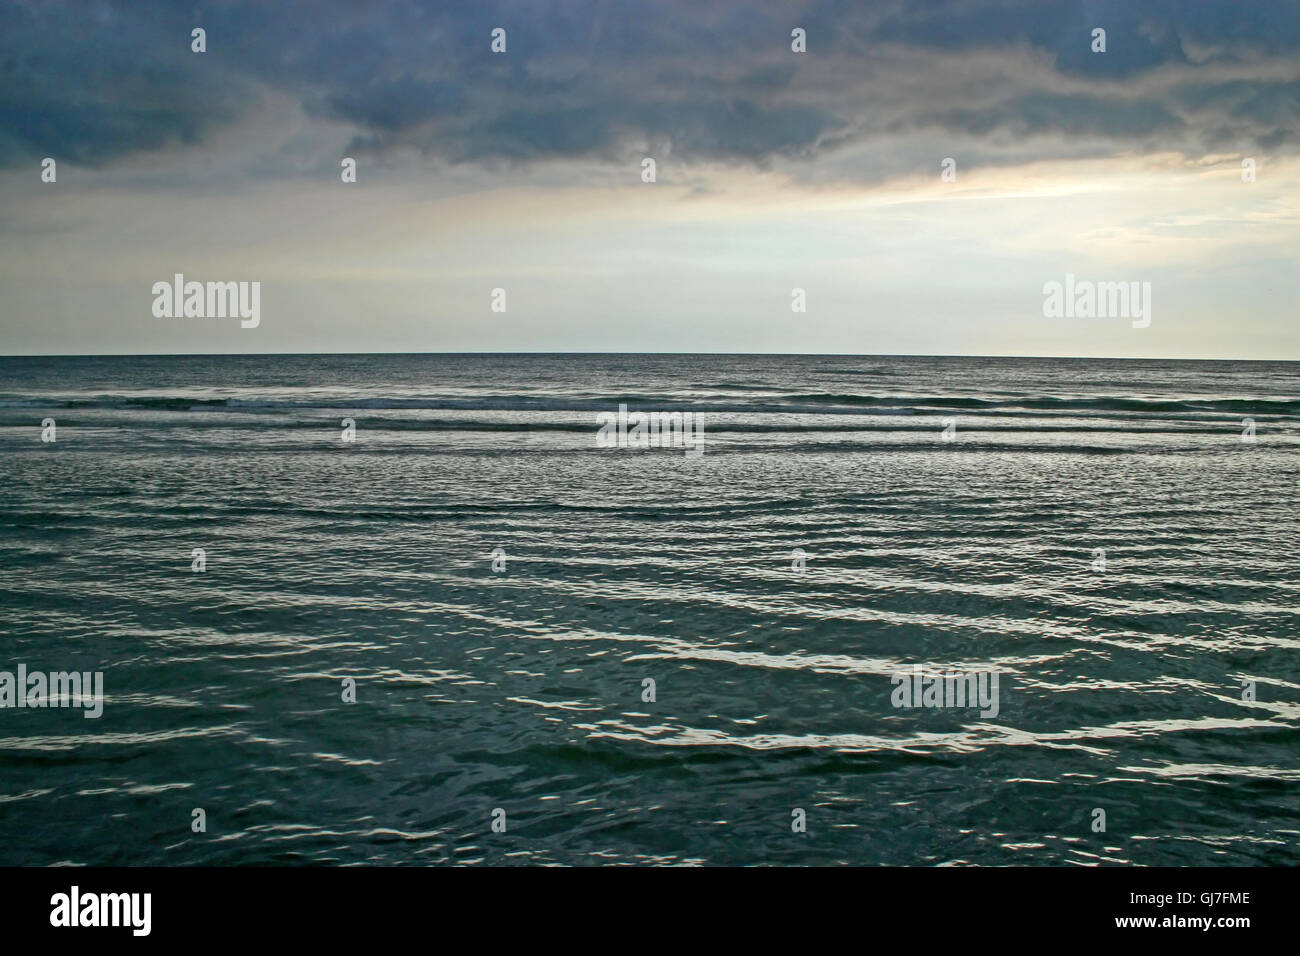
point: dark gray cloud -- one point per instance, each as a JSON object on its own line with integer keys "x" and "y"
{"x": 97, "y": 83}
{"x": 92, "y": 84}
{"x": 1069, "y": 114}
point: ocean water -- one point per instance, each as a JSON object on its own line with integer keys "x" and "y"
{"x": 520, "y": 689}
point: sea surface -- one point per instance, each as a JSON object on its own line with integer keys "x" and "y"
{"x": 1163, "y": 690}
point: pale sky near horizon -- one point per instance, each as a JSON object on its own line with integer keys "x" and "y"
{"x": 775, "y": 170}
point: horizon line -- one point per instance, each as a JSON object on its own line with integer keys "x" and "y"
{"x": 873, "y": 355}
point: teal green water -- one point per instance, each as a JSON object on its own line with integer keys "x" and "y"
{"x": 521, "y": 688}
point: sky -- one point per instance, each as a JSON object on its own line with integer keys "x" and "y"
{"x": 775, "y": 170}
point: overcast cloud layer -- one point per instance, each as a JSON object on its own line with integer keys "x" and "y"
{"x": 522, "y": 170}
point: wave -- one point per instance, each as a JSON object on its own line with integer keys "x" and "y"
{"x": 1053, "y": 403}
{"x": 759, "y": 402}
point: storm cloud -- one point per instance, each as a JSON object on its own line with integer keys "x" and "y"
{"x": 100, "y": 84}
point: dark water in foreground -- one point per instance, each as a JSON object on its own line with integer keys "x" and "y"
{"x": 522, "y": 690}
